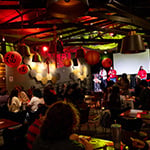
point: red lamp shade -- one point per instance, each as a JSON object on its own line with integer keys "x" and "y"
{"x": 22, "y": 69}
{"x": 107, "y": 62}
{"x": 92, "y": 57}
{"x": 12, "y": 59}
{"x": 67, "y": 62}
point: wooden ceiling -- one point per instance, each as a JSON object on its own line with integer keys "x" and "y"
{"x": 28, "y": 21}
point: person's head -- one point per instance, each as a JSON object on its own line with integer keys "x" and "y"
{"x": 37, "y": 93}
{"x": 124, "y": 76}
{"x": 141, "y": 68}
{"x": 60, "y": 121}
{"x": 111, "y": 68}
{"x": 49, "y": 95}
{"x": 115, "y": 90}
{"x": 143, "y": 83}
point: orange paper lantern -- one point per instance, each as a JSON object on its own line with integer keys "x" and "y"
{"x": 67, "y": 62}
{"x": 107, "y": 62}
{"x": 12, "y": 59}
{"x": 92, "y": 57}
{"x": 22, "y": 69}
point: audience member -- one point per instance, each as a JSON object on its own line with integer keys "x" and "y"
{"x": 144, "y": 97}
{"x": 3, "y": 97}
{"x": 14, "y": 103}
{"x": 36, "y": 99}
{"x": 142, "y": 74}
{"x": 56, "y": 130}
{"x": 123, "y": 84}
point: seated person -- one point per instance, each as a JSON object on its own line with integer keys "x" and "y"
{"x": 55, "y": 133}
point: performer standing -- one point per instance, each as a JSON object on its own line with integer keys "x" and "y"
{"x": 97, "y": 81}
{"x": 112, "y": 74}
{"x": 103, "y": 75}
{"x": 142, "y": 74}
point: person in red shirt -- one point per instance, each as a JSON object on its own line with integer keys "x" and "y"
{"x": 112, "y": 74}
{"x": 142, "y": 74}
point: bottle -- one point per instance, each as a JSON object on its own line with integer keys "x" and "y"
{"x": 116, "y": 136}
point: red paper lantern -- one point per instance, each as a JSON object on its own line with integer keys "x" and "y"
{"x": 12, "y": 59}
{"x": 67, "y": 62}
{"x": 92, "y": 57}
{"x": 107, "y": 62}
{"x": 22, "y": 69}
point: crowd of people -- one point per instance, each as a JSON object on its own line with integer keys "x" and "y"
{"x": 50, "y": 118}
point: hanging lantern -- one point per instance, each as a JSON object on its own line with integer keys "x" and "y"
{"x": 80, "y": 53}
{"x": 92, "y": 57}
{"x": 36, "y": 57}
{"x": 67, "y": 62}
{"x": 12, "y": 59}
{"x": 22, "y": 69}
{"x": 24, "y": 50}
{"x": 107, "y": 62}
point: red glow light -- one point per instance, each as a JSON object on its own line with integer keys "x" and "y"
{"x": 45, "y": 48}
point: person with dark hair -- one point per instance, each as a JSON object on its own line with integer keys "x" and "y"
{"x": 57, "y": 129}
{"x": 144, "y": 97}
{"x": 114, "y": 102}
{"x": 142, "y": 74}
{"x": 123, "y": 84}
{"x": 112, "y": 74}
{"x": 36, "y": 99}
{"x": 49, "y": 95}
{"x": 3, "y": 97}
{"x": 14, "y": 103}
{"x": 33, "y": 131}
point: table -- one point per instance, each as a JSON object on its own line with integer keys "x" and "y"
{"x": 5, "y": 123}
{"x": 136, "y": 113}
{"x": 101, "y": 144}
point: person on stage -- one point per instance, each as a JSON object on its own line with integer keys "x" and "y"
{"x": 103, "y": 75}
{"x": 142, "y": 74}
{"x": 112, "y": 74}
{"x": 97, "y": 81}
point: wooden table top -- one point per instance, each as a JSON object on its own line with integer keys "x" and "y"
{"x": 5, "y": 123}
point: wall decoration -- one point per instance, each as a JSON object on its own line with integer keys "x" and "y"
{"x": 12, "y": 59}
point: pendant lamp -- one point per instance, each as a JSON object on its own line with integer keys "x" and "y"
{"x": 67, "y": 9}
{"x": 132, "y": 43}
{"x": 36, "y": 57}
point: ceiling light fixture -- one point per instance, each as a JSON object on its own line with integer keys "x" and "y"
{"x": 132, "y": 43}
